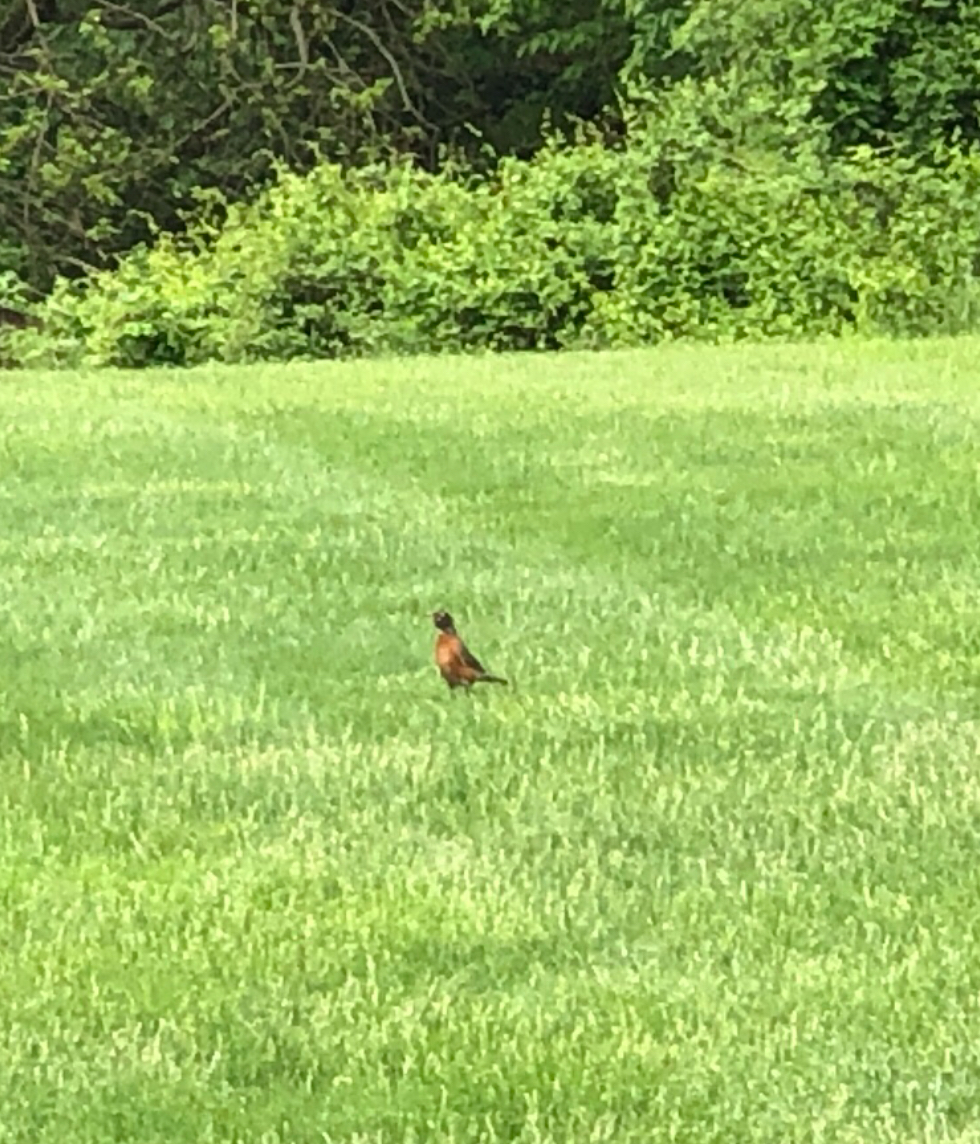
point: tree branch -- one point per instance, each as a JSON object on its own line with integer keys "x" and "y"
{"x": 375, "y": 39}
{"x": 126, "y": 20}
{"x": 301, "y": 43}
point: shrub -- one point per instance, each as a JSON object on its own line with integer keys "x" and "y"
{"x": 17, "y": 322}
{"x": 580, "y": 246}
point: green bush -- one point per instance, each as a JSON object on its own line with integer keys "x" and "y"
{"x": 16, "y": 318}
{"x": 580, "y": 246}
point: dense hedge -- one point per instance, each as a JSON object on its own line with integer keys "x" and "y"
{"x": 582, "y": 246}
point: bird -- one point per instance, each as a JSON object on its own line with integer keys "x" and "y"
{"x": 457, "y": 665}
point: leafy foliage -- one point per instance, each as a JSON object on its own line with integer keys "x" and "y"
{"x": 651, "y": 168}
{"x": 881, "y": 73}
{"x": 115, "y": 117}
{"x": 582, "y": 246}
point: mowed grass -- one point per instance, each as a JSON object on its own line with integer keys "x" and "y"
{"x": 709, "y": 870}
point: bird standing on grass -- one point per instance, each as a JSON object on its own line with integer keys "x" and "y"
{"x": 457, "y": 665}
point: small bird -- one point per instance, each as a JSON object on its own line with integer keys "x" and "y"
{"x": 457, "y": 665}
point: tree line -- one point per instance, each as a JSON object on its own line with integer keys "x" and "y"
{"x": 122, "y": 122}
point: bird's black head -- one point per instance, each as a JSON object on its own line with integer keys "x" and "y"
{"x": 443, "y": 621}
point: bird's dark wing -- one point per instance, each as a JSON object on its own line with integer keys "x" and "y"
{"x": 470, "y": 659}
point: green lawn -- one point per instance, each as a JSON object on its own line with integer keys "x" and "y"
{"x": 710, "y": 870}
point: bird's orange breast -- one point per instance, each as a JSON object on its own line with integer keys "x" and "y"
{"x": 450, "y": 658}
{"x": 447, "y": 652}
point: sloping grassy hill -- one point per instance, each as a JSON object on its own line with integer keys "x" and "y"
{"x": 707, "y": 872}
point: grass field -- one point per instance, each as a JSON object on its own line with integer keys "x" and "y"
{"x": 710, "y": 870}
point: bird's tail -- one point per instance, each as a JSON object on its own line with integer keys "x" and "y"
{"x": 491, "y": 679}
